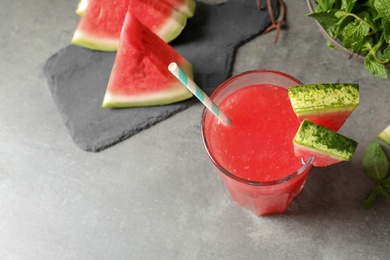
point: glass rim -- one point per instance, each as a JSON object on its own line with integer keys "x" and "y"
{"x": 296, "y": 173}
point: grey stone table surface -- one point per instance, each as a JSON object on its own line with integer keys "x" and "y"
{"x": 156, "y": 194}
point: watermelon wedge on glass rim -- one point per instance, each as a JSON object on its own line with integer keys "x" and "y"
{"x": 140, "y": 75}
{"x": 327, "y": 146}
{"x": 328, "y": 105}
{"x": 100, "y": 25}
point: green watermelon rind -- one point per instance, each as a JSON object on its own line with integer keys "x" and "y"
{"x": 173, "y": 28}
{"x": 95, "y": 43}
{"x": 177, "y": 93}
{"x": 82, "y": 5}
{"x": 323, "y": 110}
{"x": 321, "y": 98}
{"x": 187, "y": 8}
{"x": 325, "y": 141}
{"x": 385, "y": 135}
{"x": 168, "y": 32}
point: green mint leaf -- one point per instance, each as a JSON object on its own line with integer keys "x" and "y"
{"x": 329, "y": 44}
{"x": 383, "y": 8}
{"x": 353, "y": 35}
{"x": 373, "y": 66}
{"x": 340, "y": 14}
{"x": 385, "y": 192}
{"x": 379, "y": 190}
{"x": 360, "y": 25}
{"x": 347, "y": 5}
{"x": 327, "y": 18}
{"x": 372, "y": 197}
{"x": 324, "y": 5}
{"x": 386, "y": 30}
{"x": 386, "y": 52}
{"x": 386, "y": 183}
{"x": 375, "y": 162}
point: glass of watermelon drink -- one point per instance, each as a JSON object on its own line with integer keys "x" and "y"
{"x": 254, "y": 156}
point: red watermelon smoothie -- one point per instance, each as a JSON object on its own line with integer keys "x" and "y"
{"x": 255, "y": 155}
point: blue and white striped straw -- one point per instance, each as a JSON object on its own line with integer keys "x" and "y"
{"x": 198, "y": 92}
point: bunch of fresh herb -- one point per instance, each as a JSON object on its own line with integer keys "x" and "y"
{"x": 376, "y": 166}
{"x": 362, "y": 26}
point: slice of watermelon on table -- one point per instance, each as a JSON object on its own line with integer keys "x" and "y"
{"x": 187, "y": 7}
{"x": 327, "y": 146}
{"x": 78, "y": 95}
{"x": 100, "y": 25}
{"x": 328, "y": 105}
{"x": 140, "y": 75}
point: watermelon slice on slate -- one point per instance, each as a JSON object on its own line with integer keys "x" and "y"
{"x": 77, "y": 77}
{"x": 327, "y": 146}
{"x": 140, "y": 75}
{"x": 328, "y": 105}
{"x": 100, "y": 26}
{"x": 187, "y": 7}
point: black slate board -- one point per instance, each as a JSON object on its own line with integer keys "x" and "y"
{"x": 77, "y": 77}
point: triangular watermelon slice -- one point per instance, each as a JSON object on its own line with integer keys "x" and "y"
{"x": 140, "y": 75}
{"x": 328, "y": 105}
{"x": 328, "y": 147}
{"x": 100, "y": 26}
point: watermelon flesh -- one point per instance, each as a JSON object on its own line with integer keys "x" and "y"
{"x": 328, "y": 105}
{"x": 159, "y": 17}
{"x": 327, "y": 146}
{"x": 100, "y": 26}
{"x": 321, "y": 159}
{"x": 333, "y": 120}
{"x": 140, "y": 75}
{"x": 94, "y": 31}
